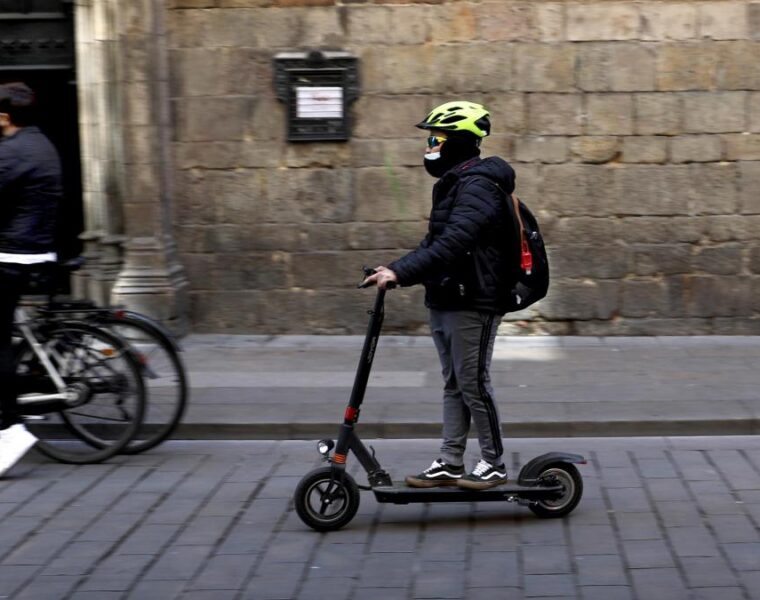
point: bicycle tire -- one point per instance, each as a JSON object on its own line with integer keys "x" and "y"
{"x": 164, "y": 377}
{"x": 91, "y": 440}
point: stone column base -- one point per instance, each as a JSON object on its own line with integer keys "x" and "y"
{"x": 83, "y": 281}
{"x": 153, "y": 282}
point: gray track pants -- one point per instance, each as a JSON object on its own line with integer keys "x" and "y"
{"x": 464, "y": 340}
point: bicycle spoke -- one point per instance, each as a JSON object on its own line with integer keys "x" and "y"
{"x": 163, "y": 375}
{"x": 101, "y": 417}
{"x": 111, "y": 399}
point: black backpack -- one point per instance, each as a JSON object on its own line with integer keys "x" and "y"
{"x": 528, "y": 266}
{"x": 530, "y": 275}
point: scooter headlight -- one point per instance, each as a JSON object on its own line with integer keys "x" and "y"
{"x": 324, "y": 446}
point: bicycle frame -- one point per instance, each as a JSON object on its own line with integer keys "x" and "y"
{"x": 65, "y": 394}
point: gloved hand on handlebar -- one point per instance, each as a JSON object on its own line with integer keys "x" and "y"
{"x": 383, "y": 278}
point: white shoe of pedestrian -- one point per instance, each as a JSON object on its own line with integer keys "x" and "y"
{"x": 15, "y": 441}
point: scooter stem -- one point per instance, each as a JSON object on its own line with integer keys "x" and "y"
{"x": 351, "y": 415}
{"x": 377, "y": 314}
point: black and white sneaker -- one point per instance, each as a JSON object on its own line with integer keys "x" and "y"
{"x": 439, "y": 473}
{"x": 484, "y": 476}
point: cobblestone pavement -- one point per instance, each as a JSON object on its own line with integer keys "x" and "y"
{"x": 661, "y": 518}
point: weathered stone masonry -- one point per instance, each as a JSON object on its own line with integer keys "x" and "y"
{"x": 634, "y": 128}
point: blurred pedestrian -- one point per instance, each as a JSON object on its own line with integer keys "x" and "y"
{"x": 30, "y": 189}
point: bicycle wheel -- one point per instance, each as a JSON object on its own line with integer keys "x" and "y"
{"x": 110, "y": 400}
{"x": 164, "y": 377}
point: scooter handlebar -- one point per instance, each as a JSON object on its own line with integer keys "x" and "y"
{"x": 368, "y": 272}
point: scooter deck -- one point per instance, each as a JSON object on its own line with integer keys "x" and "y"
{"x": 403, "y": 494}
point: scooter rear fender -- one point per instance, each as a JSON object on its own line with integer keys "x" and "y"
{"x": 532, "y": 469}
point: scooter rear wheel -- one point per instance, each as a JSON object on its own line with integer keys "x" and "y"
{"x": 568, "y": 476}
{"x": 326, "y": 499}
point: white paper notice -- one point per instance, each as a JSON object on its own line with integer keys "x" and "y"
{"x": 319, "y": 102}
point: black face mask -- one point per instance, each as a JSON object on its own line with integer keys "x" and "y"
{"x": 435, "y": 165}
{"x": 454, "y": 151}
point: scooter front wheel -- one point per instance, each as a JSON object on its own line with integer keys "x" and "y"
{"x": 570, "y": 479}
{"x": 326, "y": 499}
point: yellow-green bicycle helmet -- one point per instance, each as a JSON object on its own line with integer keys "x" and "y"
{"x": 459, "y": 116}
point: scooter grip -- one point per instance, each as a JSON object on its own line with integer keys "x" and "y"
{"x": 367, "y": 272}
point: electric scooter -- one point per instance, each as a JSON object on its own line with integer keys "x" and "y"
{"x": 327, "y": 498}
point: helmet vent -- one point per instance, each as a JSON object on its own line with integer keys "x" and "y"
{"x": 452, "y": 119}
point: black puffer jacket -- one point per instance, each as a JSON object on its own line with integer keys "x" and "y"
{"x": 30, "y": 188}
{"x": 461, "y": 260}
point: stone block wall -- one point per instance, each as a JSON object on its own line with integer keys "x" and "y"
{"x": 634, "y": 128}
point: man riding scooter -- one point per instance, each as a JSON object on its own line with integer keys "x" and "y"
{"x": 459, "y": 262}
{"x": 478, "y": 261}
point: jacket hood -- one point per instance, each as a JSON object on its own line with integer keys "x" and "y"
{"x": 493, "y": 167}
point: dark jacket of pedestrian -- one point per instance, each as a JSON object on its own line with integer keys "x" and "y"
{"x": 30, "y": 188}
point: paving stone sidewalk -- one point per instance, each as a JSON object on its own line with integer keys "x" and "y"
{"x": 661, "y": 518}
{"x": 297, "y": 386}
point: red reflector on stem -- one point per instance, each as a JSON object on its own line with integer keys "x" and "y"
{"x": 350, "y": 413}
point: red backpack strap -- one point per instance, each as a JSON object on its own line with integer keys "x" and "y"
{"x": 526, "y": 258}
